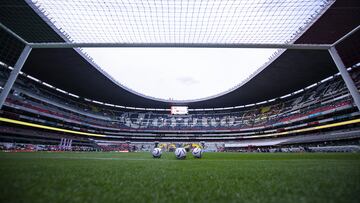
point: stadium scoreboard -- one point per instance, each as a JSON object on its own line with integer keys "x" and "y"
{"x": 179, "y": 110}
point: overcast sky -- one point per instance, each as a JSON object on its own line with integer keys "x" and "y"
{"x": 179, "y": 73}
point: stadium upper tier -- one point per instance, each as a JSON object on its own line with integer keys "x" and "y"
{"x": 327, "y": 103}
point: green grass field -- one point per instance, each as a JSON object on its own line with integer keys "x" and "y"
{"x": 218, "y": 177}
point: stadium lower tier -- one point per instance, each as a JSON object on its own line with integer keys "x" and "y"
{"x": 350, "y": 121}
{"x": 15, "y": 139}
{"x": 22, "y": 126}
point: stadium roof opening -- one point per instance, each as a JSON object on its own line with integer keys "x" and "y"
{"x": 176, "y": 73}
{"x": 179, "y": 73}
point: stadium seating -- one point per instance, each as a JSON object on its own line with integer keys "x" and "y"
{"x": 326, "y": 102}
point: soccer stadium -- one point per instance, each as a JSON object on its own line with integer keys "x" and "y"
{"x": 179, "y": 101}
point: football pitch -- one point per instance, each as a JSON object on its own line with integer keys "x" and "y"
{"x": 217, "y": 177}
